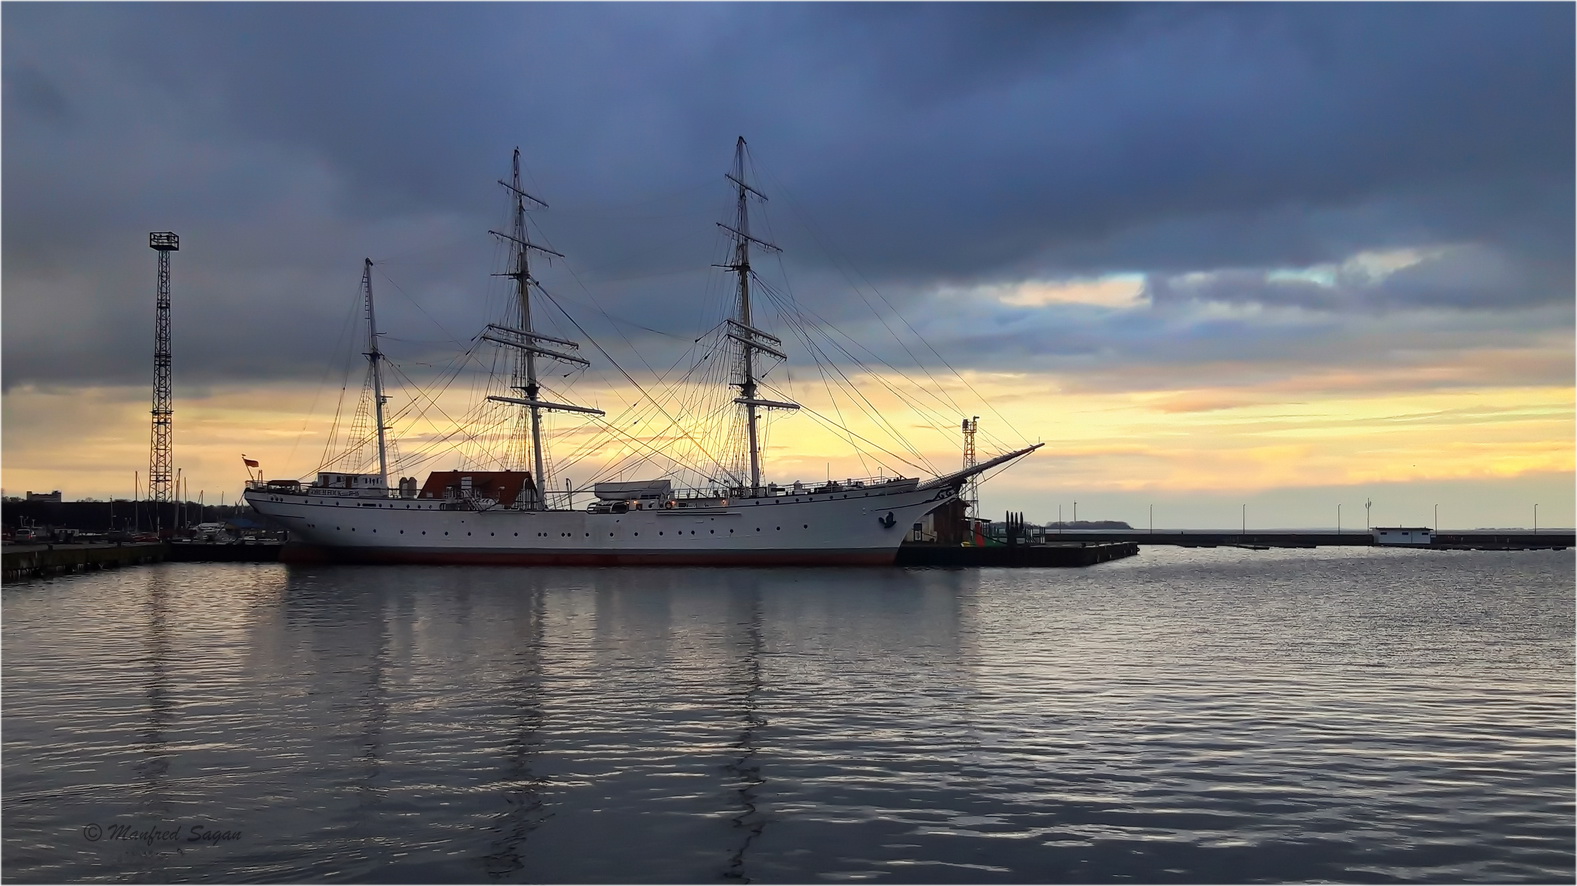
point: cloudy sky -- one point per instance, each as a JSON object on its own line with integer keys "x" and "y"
{"x": 1287, "y": 256}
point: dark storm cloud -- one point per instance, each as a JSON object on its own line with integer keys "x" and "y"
{"x": 925, "y": 143}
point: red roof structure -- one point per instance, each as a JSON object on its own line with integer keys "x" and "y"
{"x": 501, "y": 486}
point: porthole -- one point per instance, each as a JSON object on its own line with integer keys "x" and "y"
{"x": 659, "y": 532}
{"x": 806, "y": 526}
{"x": 402, "y": 531}
{"x": 446, "y": 532}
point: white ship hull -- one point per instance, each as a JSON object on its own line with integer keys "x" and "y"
{"x": 850, "y": 526}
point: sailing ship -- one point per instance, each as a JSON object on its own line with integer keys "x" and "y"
{"x": 506, "y": 517}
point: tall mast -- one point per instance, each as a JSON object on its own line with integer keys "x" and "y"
{"x": 747, "y": 386}
{"x": 523, "y": 294}
{"x": 744, "y": 333}
{"x": 375, "y": 357}
{"x": 525, "y": 338}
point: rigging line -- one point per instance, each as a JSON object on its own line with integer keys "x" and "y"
{"x": 627, "y": 376}
{"x": 925, "y": 411}
{"x": 445, "y": 378}
{"x": 829, "y": 423}
{"x": 824, "y": 325}
{"x": 617, "y": 465}
{"x": 874, "y": 410}
{"x": 609, "y": 317}
{"x": 815, "y": 234}
{"x": 703, "y": 418}
{"x": 390, "y": 281}
{"x": 638, "y": 442}
{"x": 579, "y": 452}
{"x": 813, "y": 351}
{"x": 595, "y": 304}
{"x": 936, "y": 385}
{"x": 431, "y": 401}
{"x": 661, "y": 379}
{"x": 339, "y": 408}
{"x": 831, "y": 398}
{"x": 339, "y": 348}
{"x": 446, "y": 441}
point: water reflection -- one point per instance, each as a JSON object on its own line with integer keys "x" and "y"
{"x": 745, "y": 768}
{"x": 1216, "y": 720}
{"x": 374, "y": 717}
{"x": 525, "y": 807}
{"x": 153, "y": 765}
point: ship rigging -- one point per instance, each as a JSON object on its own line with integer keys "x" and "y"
{"x": 628, "y": 521}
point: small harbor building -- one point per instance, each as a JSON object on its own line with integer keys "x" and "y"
{"x": 1403, "y": 535}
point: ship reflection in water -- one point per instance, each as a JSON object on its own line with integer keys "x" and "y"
{"x": 1221, "y": 716}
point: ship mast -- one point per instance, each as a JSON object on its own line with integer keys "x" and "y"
{"x": 526, "y": 339}
{"x": 375, "y": 356}
{"x": 747, "y": 335}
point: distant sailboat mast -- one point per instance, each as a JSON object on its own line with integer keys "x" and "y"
{"x": 526, "y": 339}
{"x": 747, "y": 335}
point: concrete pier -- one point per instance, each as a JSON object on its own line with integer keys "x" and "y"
{"x": 35, "y": 561}
{"x": 1485, "y": 539}
{"x": 229, "y": 552}
{"x": 1067, "y": 554}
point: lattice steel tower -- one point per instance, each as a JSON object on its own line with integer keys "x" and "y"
{"x": 971, "y": 490}
{"x": 162, "y": 449}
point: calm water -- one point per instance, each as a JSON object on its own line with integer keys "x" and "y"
{"x": 1220, "y": 716}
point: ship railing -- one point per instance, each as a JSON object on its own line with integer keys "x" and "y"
{"x": 720, "y": 496}
{"x": 296, "y": 487}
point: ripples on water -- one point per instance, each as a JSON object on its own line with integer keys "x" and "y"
{"x": 1186, "y": 715}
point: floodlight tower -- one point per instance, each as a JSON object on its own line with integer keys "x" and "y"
{"x": 971, "y": 491}
{"x": 162, "y": 447}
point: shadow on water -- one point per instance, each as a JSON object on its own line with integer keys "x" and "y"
{"x": 523, "y": 796}
{"x": 745, "y": 768}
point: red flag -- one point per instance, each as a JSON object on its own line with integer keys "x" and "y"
{"x": 250, "y": 462}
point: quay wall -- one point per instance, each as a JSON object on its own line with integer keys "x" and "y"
{"x": 1077, "y": 554}
{"x": 23, "y": 562}
{"x": 1192, "y": 538}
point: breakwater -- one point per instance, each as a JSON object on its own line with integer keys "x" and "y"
{"x": 1067, "y": 554}
{"x": 35, "y": 561}
{"x": 1488, "y": 539}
